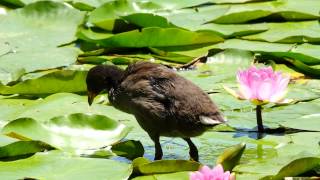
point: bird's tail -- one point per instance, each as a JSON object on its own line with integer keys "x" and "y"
{"x": 213, "y": 120}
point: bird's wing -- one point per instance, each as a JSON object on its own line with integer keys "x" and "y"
{"x": 147, "y": 87}
{"x": 158, "y": 90}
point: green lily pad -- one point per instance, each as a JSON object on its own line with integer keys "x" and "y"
{"x": 233, "y": 30}
{"x": 304, "y": 116}
{"x": 14, "y": 65}
{"x": 64, "y": 132}
{"x": 21, "y": 149}
{"x": 148, "y": 20}
{"x": 44, "y": 109}
{"x": 288, "y": 10}
{"x": 64, "y": 166}
{"x": 87, "y": 5}
{"x": 192, "y": 18}
{"x": 167, "y": 176}
{"x": 289, "y": 32}
{"x": 108, "y": 15}
{"x": 219, "y": 70}
{"x": 306, "y": 53}
{"x": 278, "y": 167}
{"x": 52, "y": 82}
{"x": 46, "y": 25}
{"x": 231, "y": 156}
{"x": 170, "y": 38}
{"x": 168, "y": 166}
{"x": 11, "y": 149}
{"x": 39, "y": 24}
{"x": 296, "y": 167}
{"x": 130, "y": 149}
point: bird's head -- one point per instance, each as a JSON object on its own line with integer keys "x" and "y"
{"x": 100, "y": 78}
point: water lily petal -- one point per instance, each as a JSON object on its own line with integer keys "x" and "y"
{"x": 218, "y": 170}
{"x": 261, "y": 85}
{"x": 196, "y": 176}
{"x": 245, "y": 92}
{"x": 217, "y": 173}
{"x": 226, "y": 175}
{"x": 234, "y": 93}
{"x": 232, "y": 176}
{"x": 265, "y": 90}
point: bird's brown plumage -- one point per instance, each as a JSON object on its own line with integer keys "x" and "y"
{"x": 164, "y": 103}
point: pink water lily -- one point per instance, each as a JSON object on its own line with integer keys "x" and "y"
{"x": 217, "y": 173}
{"x": 261, "y": 85}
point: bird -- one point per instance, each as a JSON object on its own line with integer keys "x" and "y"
{"x": 163, "y": 102}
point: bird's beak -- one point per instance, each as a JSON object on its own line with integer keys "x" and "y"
{"x": 91, "y": 96}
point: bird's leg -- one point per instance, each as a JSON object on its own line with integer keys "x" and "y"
{"x": 193, "y": 150}
{"x": 157, "y": 145}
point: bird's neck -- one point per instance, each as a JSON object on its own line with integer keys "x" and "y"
{"x": 116, "y": 79}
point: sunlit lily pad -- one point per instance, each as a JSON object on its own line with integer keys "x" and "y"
{"x": 22, "y": 149}
{"x": 46, "y": 25}
{"x": 231, "y": 156}
{"x": 167, "y": 166}
{"x": 44, "y": 109}
{"x": 52, "y": 82}
{"x": 279, "y": 167}
{"x": 289, "y": 32}
{"x": 12, "y": 149}
{"x": 95, "y": 131}
{"x": 170, "y": 38}
{"x": 289, "y": 10}
{"x": 130, "y": 149}
{"x": 168, "y": 176}
{"x": 64, "y": 166}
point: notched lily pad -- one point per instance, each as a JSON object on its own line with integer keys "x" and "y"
{"x": 71, "y": 133}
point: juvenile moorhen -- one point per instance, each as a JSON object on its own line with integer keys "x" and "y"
{"x": 164, "y": 103}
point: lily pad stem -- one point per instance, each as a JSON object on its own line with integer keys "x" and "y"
{"x": 259, "y": 119}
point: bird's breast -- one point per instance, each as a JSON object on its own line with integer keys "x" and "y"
{"x": 119, "y": 100}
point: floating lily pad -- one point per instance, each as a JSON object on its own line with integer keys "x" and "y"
{"x": 168, "y": 166}
{"x": 22, "y": 149}
{"x": 279, "y": 167}
{"x": 170, "y": 38}
{"x": 130, "y": 149}
{"x": 95, "y": 131}
{"x": 231, "y": 156}
{"x": 288, "y": 10}
{"x": 168, "y": 176}
{"x": 52, "y": 82}
{"x": 64, "y": 166}
{"x": 289, "y": 32}
{"x": 306, "y": 53}
{"x": 46, "y": 25}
